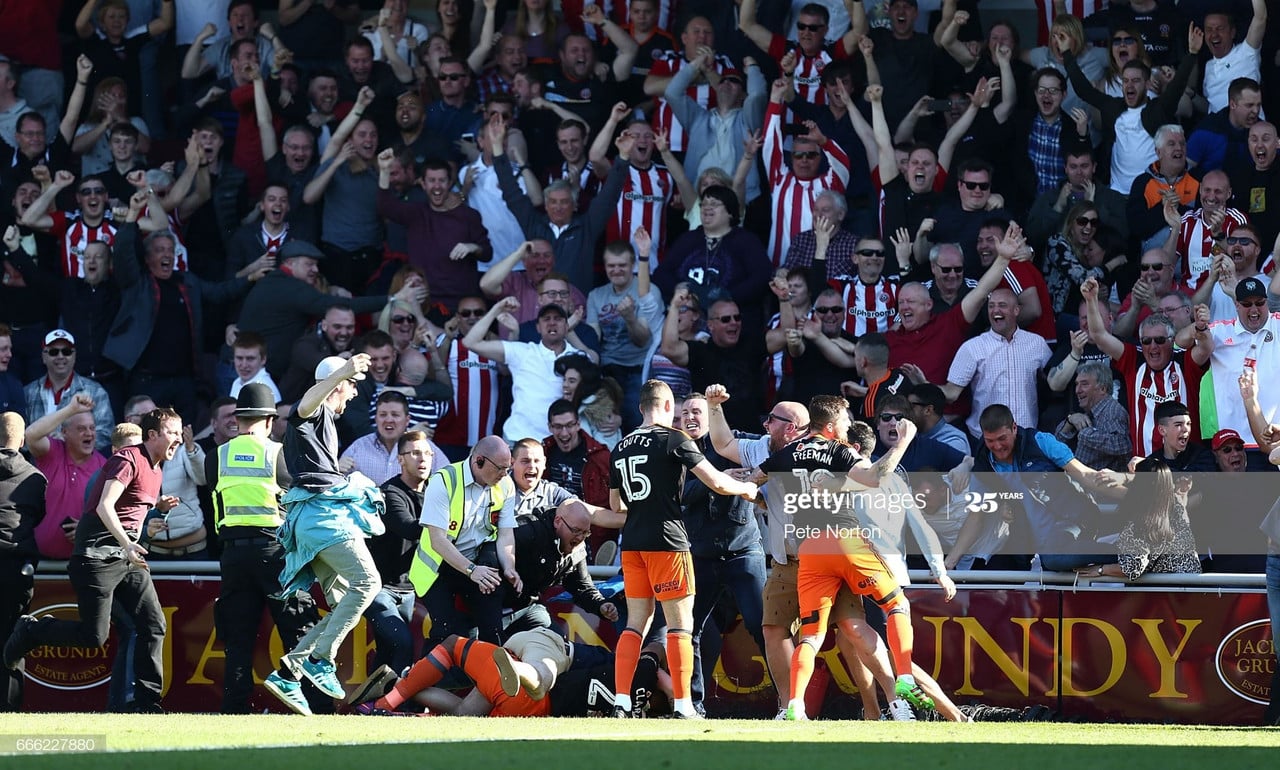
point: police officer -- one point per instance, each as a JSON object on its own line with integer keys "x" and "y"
{"x": 247, "y": 481}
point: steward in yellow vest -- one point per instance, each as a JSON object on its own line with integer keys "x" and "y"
{"x": 468, "y": 549}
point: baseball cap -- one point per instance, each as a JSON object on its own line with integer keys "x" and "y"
{"x": 59, "y": 335}
{"x": 1249, "y": 288}
{"x": 294, "y": 248}
{"x": 330, "y": 365}
{"x": 733, "y": 73}
{"x": 1224, "y": 436}
{"x": 552, "y": 308}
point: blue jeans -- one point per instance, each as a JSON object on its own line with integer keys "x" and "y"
{"x": 389, "y": 617}
{"x": 742, "y": 575}
{"x": 1273, "y": 609}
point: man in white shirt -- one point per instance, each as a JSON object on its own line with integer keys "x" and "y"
{"x": 1251, "y": 340}
{"x": 479, "y": 182}
{"x": 1228, "y": 59}
{"x": 532, "y": 364}
{"x": 1001, "y": 365}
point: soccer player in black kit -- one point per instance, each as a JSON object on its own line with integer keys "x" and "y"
{"x": 646, "y": 474}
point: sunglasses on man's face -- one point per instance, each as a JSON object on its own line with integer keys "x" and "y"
{"x": 807, "y": 155}
{"x": 950, "y": 269}
{"x": 1153, "y": 340}
{"x": 470, "y": 313}
{"x": 870, "y": 253}
{"x": 724, "y": 319}
{"x": 975, "y": 185}
{"x": 810, "y": 27}
{"x": 1148, "y": 267}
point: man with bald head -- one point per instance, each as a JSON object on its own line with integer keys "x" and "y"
{"x": 787, "y": 421}
{"x": 1203, "y": 228}
{"x": 930, "y": 342}
{"x": 1001, "y": 365}
{"x": 468, "y": 549}
{"x": 551, "y": 551}
{"x": 1257, "y": 182}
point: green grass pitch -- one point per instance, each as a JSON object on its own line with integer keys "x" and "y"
{"x": 373, "y": 743}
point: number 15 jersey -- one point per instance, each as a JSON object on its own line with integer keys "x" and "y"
{"x": 647, "y": 468}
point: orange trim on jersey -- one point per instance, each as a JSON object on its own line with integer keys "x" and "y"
{"x": 662, "y": 575}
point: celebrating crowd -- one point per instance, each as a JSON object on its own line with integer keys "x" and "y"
{"x": 440, "y": 311}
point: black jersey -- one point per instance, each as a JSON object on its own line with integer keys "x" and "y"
{"x": 647, "y": 468}
{"x": 791, "y": 489}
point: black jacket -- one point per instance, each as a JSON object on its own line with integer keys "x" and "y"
{"x": 22, "y": 490}
{"x": 541, "y": 565}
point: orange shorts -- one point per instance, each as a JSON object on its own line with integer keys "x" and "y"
{"x": 829, "y": 564}
{"x": 662, "y": 575}
{"x": 489, "y": 683}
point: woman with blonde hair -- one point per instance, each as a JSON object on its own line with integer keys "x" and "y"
{"x": 1067, "y": 258}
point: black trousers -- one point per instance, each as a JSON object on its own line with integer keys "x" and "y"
{"x": 97, "y": 582}
{"x": 250, "y": 578}
{"x": 485, "y": 610}
{"x": 16, "y": 590}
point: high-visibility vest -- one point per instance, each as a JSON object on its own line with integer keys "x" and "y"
{"x": 246, "y": 494}
{"x": 426, "y": 561}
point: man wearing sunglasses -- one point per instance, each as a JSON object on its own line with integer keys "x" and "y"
{"x": 1151, "y": 375}
{"x": 91, "y": 222}
{"x": 1156, "y": 278}
{"x": 960, "y": 223}
{"x": 1248, "y": 342}
{"x": 1217, "y": 288}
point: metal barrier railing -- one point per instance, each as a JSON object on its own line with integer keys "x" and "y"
{"x": 919, "y": 578}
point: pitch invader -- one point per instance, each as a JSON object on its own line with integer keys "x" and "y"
{"x": 646, "y": 476}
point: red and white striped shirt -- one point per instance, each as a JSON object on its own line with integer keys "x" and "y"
{"x": 702, "y": 93}
{"x": 475, "y": 398}
{"x": 74, "y": 235}
{"x": 1077, "y": 8}
{"x": 1195, "y": 243}
{"x": 180, "y": 262}
{"x": 644, "y": 200}
{"x": 793, "y": 197}
{"x": 869, "y": 308}
{"x": 1145, "y": 389}
{"x": 807, "y": 79}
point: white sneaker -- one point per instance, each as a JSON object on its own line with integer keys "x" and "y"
{"x": 782, "y": 715}
{"x": 901, "y": 711}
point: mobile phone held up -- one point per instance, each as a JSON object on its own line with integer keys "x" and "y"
{"x": 939, "y": 105}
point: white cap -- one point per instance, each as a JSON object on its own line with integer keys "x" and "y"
{"x": 330, "y": 365}
{"x": 59, "y": 335}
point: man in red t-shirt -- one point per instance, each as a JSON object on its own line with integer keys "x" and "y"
{"x": 109, "y": 560}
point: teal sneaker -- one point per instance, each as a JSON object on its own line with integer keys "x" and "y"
{"x": 324, "y": 676}
{"x": 911, "y": 692}
{"x": 289, "y": 692}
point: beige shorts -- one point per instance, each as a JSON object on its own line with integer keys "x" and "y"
{"x": 541, "y": 644}
{"x": 782, "y": 599}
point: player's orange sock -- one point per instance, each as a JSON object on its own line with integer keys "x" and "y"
{"x": 625, "y": 658}
{"x": 801, "y": 669}
{"x": 680, "y": 660}
{"x": 901, "y": 640}
{"x": 425, "y": 673}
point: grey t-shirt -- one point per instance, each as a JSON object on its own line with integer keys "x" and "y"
{"x": 615, "y": 343}
{"x": 351, "y": 208}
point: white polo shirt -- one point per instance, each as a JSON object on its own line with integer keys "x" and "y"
{"x": 534, "y": 386}
{"x": 1232, "y": 346}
